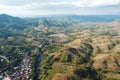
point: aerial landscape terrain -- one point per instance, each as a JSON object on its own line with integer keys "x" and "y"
{"x": 60, "y": 40}
{"x": 60, "y": 48}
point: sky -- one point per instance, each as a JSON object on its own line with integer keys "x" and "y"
{"x": 30, "y": 8}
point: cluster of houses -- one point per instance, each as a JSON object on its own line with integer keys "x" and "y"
{"x": 21, "y": 72}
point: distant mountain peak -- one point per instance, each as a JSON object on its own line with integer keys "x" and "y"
{"x": 10, "y": 19}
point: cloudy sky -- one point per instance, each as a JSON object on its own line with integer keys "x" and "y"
{"x": 47, "y": 7}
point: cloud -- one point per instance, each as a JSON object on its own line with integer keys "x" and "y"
{"x": 80, "y": 3}
{"x": 98, "y": 3}
{"x": 38, "y": 7}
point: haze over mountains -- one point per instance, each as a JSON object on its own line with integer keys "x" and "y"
{"x": 60, "y": 20}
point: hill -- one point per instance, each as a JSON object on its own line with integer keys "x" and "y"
{"x": 4, "y": 18}
{"x": 63, "y": 47}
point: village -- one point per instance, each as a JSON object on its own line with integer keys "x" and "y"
{"x": 21, "y": 72}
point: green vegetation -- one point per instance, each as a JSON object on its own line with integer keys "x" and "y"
{"x": 64, "y": 47}
{"x": 88, "y": 73}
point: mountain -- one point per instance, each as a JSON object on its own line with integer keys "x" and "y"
{"x": 86, "y": 18}
{"x": 70, "y": 20}
{"x": 7, "y": 21}
{"x": 11, "y": 26}
{"x": 4, "y": 18}
{"x": 56, "y": 20}
{"x": 60, "y": 47}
